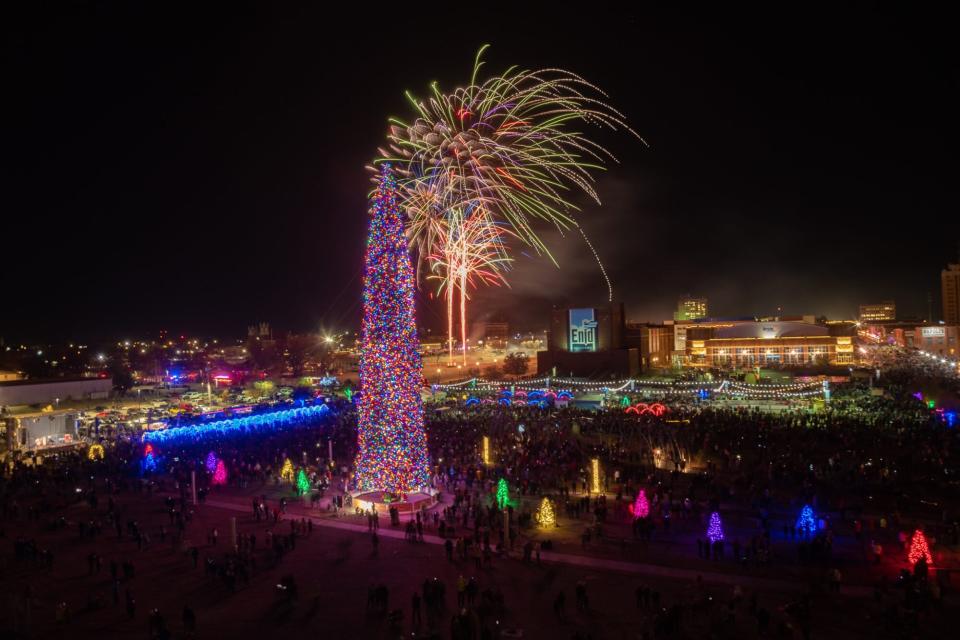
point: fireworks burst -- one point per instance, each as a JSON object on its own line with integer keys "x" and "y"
{"x": 507, "y": 151}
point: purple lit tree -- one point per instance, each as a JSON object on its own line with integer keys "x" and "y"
{"x": 715, "y": 528}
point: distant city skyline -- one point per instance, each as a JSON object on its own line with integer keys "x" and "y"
{"x": 213, "y": 174}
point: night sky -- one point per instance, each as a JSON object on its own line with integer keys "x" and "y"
{"x": 197, "y": 170}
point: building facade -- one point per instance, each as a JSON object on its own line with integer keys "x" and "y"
{"x": 747, "y": 344}
{"x": 496, "y": 334}
{"x": 588, "y": 341}
{"x": 50, "y": 391}
{"x": 939, "y": 339}
{"x": 689, "y": 308}
{"x": 882, "y": 312}
{"x": 950, "y": 292}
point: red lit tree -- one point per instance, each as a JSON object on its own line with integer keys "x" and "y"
{"x": 919, "y": 549}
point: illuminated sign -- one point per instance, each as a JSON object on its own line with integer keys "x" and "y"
{"x": 583, "y": 330}
{"x": 932, "y": 332}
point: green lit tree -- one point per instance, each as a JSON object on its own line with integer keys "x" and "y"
{"x": 303, "y": 483}
{"x": 503, "y": 494}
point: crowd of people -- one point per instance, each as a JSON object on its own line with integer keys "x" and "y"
{"x": 872, "y": 466}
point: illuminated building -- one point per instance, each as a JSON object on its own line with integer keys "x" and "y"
{"x": 939, "y": 339}
{"x": 950, "y": 290}
{"x": 655, "y": 342}
{"x": 689, "y": 308}
{"x": 882, "y": 312}
{"x": 748, "y": 344}
{"x": 588, "y": 341}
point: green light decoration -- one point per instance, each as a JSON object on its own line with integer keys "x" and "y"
{"x": 348, "y": 392}
{"x": 625, "y": 401}
{"x": 503, "y": 494}
{"x": 931, "y": 404}
{"x": 303, "y": 483}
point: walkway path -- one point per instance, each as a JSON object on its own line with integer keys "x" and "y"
{"x": 604, "y": 564}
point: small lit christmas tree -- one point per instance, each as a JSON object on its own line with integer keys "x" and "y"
{"x": 545, "y": 514}
{"x": 211, "y": 462}
{"x": 715, "y": 529}
{"x": 220, "y": 473}
{"x": 286, "y": 472}
{"x": 303, "y": 483}
{"x": 919, "y": 549}
{"x": 806, "y": 523}
{"x": 503, "y": 494}
{"x": 641, "y": 506}
{"x": 149, "y": 459}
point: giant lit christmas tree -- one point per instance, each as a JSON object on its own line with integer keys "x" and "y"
{"x": 391, "y": 442}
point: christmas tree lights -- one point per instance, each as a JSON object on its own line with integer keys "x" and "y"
{"x": 286, "y": 471}
{"x": 715, "y": 529}
{"x": 595, "y": 475}
{"x": 211, "y": 462}
{"x": 919, "y": 549}
{"x": 503, "y": 494}
{"x": 391, "y": 442}
{"x": 486, "y": 450}
{"x": 95, "y": 452}
{"x": 545, "y": 514}
{"x": 641, "y": 506}
{"x": 806, "y": 524}
{"x": 254, "y": 423}
{"x": 149, "y": 459}
{"x": 220, "y": 473}
{"x": 303, "y": 483}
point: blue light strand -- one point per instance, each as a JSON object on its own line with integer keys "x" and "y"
{"x": 273, "y": 420}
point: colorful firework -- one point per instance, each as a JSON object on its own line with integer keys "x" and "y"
{"x": 507, "y": 149}
{"x": 473, "y": 253}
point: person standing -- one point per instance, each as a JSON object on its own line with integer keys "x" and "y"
{"x": 415, "y": 607}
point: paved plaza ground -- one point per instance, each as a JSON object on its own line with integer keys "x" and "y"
{"x": 335, "y": 565}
